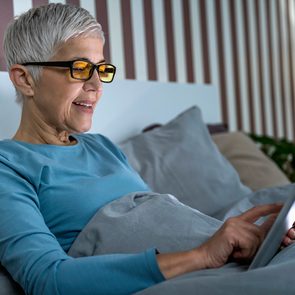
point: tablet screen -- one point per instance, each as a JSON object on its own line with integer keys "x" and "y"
{"x": 274, "y": 238}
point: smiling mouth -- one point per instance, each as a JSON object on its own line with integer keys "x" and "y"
{"x": 85, "y": 105}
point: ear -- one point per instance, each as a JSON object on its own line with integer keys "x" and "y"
{"x": 22, "y": 79}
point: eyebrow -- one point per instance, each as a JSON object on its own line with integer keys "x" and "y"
{"x": 102, "y": 61}
{"x": 85, "y": 58}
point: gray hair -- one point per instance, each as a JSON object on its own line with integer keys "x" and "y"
{"x": 37, "y": 34}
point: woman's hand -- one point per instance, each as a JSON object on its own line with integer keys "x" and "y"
{"x": 289, "y": 237}
{"x": 239, "y": 237}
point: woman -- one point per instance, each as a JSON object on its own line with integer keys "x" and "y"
{"x": 54, "y": 177}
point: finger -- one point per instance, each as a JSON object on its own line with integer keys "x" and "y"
{"x": 240, "y": 228}
{"x": 246, "y": 237}
{"x": 265, "y": 227}
{"x": 291, "y": 233}
{"x": 247, "y": 247}
{"x": 252, "y": 229}
{"x": 287, "y": 241}
{"x": 255, "y": 213}
{"x": 289, "y": 238}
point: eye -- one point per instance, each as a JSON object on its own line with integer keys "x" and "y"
{"x": 81, "y": 65}
{"x": 102, "y": 68}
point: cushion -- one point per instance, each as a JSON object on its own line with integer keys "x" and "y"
{"x": 256, "y": 170}
{"x": 181, "y": 159}
{"x": 213, "y": 128}
{"x": 7, "y": 285}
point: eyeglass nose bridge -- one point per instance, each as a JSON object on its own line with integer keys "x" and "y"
{"x": 95, "y": 67}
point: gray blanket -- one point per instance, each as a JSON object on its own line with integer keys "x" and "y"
{"x": 139, "y": 221}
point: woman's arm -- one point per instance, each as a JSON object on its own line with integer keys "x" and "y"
{"x": 34, "y": 258}
{"x": 239, "y": 238}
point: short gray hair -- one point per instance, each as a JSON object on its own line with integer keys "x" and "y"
{"x": 37, "y": 34}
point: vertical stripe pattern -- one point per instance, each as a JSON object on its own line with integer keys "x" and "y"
{"x": 128, "y": 40}
{"x": 221, "y": 59}
{"x": 271, "y": 68}
{"x": 150, "y": 40}
{"x": 248, "y": 66}
{"x": 37, "y": 3}
{"x": 235, "y": 58}
{"x": 291, "y": 59}
{"x": 73, "y": 2}
{"x": 260, "y": 67}
{"x": 204, "y": 40}
{"x": 6, "y": 14}
{"x": 188, "y": 41}
{"x": 246, "y": 48}
{"x": 281, "y": 66}
{"x": 102, "y": 18}
{"x": 170, "y": 40}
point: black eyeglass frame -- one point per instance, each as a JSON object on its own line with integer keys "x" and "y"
{"x": 69, "y": 64}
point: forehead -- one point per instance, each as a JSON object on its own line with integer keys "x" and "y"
{"x": 84, "y": 47}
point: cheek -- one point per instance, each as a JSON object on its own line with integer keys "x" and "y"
{"x": 56, "y": 92}
{"x": 58, "y": 102}
{"x": 58, "y": 84}
{"x": 64, "y": 94}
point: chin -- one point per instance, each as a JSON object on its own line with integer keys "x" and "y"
{"x": 79, "y": 126}
{"x": 84, "y": 129}
{"x": 80, "y": 129}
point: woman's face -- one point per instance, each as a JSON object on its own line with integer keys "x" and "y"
{"x": 61, "y": 102}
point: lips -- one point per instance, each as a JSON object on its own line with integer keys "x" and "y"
{"x": 85, "y": 105}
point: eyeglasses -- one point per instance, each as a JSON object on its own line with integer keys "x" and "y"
{"x": 81, "y": 69}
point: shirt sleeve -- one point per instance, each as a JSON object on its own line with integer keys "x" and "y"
{"x": 34, "y": 258}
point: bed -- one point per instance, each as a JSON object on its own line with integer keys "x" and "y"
{"x": 186, "y": 151}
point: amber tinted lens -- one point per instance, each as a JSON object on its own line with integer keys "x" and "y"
{"x": 81, "y": 70}
{"x": 106, "y": 73}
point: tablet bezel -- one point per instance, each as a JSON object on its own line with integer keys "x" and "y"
{"x": 273, "y": 240}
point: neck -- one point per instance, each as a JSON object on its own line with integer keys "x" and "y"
{"x": 62, "y": 138}
{"x": 33, "y": 129}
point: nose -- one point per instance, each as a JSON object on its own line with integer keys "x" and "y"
{"x": 94, "y": 82}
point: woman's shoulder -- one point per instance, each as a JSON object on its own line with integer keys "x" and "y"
{"x": 16, "y": 149}
{"x": 8, "y": 148}
{"x": 16, "y": 164}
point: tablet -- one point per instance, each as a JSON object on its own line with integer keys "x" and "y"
{"x": 273, "y": 240}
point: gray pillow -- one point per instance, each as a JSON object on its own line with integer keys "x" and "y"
{"x": 181, "y": 159}
{"x": 7, "y": 285}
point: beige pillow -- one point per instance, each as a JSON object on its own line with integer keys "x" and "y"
{"x": 256, "y": 170}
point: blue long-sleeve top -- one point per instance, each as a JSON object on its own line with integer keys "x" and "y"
{"x": 48, "y": 193}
